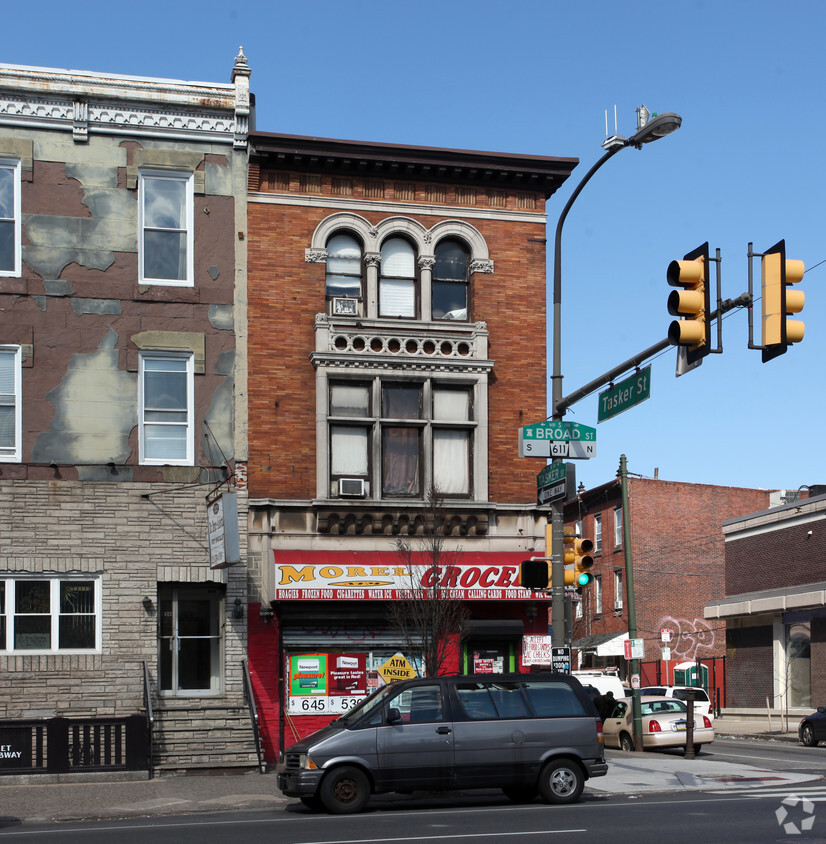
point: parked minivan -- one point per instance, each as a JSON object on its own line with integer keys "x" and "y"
{"x": 528, "y": 734}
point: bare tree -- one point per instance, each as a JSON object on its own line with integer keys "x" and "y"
{"x": 429, "y": 619}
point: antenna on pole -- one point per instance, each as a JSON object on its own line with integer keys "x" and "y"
{"x": 615, "y": 140}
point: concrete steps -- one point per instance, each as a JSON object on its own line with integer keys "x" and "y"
{"x": 199, "y": 737}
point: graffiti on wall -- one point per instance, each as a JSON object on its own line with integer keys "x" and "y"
{"x": 689, "y": 639}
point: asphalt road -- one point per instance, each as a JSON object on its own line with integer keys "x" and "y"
{"x": 701, "y": 817}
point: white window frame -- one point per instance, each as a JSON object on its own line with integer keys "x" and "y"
{"x": 597, "y": 534}
{"x": 618, "y": 589}
{"x": 617, "y": 526}
{"x": 14, "y": 165}
{"x": 189, "y": 179}
{"x": 428, "y": 424}
{"x": 598, "y": 595}
{"x": 15, "y": 453}
{"x": 189, "y": 460}
{"x": 8, "y": 611}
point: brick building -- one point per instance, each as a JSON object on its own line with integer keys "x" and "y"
{"x": 395, "y": 295}
{"x": 120, "y": 199}
{"x": 774, "y": 608}
{"x": 677, "y": 549}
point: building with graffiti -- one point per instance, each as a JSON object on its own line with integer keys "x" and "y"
{"x": 396, "y": 346}
{"x": 677, "y": 550}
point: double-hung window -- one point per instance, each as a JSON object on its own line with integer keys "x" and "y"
{"x": 597, "y": 534}
{"x": 399, "y": 437}
{"x": 10, "y": 261}
{"x": 166, "y": 401}
{"x": 397, "y": 288}
{"x": 344, "y": 268}
{"x": 49, "y": 614}
{"x": 618, "y": 526}
{"x": 166, "y": 227}
{"x": 10, "y": 404}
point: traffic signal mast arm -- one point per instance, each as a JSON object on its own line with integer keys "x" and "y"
{"x": 744, "y": 300}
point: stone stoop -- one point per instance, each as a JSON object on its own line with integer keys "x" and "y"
{"x": 188, "y": 738}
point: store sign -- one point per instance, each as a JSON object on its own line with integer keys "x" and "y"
{"x": 222, "y": 527}
{"x": 536, "y": 650}
{"x": 322, "y": 684}
{"x": 380, "y": 576}
{"x": 397, "y": 668}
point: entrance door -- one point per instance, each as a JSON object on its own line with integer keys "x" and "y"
{"x": 189, "y": 632}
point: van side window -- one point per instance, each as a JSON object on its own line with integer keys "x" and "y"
{"x": 551, "y": 700}
{"x": 491, "y": 701}
{"x": 419, "y": 704}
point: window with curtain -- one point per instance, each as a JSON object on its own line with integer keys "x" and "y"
{"x": 10, "y": 261}
{"x": 397, "y": 286}
{"x": 343, "y": 266}
{"x": 166, "y": 396}
{"x": 166, "y": 228}
{"x": 420, "y": 432}
{"x": 450, "y": 281}
{"x": 10, "y": 401}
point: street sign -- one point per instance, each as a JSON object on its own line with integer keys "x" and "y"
{"x": 556, "y": 480}
{"x": 634, "y": 648}
{"x": 561, "y": 660}
{"x": 554, "y": 438}
{"x": 624, "y": 395}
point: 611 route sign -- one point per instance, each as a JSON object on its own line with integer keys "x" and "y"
{"x": 554, "y": 438}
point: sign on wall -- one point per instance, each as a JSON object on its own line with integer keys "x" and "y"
{"x": 321, "y": 684}
{"x": 382, "y": 576}
{"x": 222, "y": 526}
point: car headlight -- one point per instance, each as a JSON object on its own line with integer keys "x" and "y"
{"x": 305, "y": 762}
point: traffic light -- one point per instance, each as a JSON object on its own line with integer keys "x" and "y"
{"x": 534, "y": 574}
{"x": 578, "y": 554}
{"x": 692, "y": 304}
{"x": 778, "y": 300}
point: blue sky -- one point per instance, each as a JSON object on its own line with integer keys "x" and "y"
{"x": 536, "y": 78}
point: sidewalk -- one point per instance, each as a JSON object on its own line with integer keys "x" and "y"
{"x": 30, "y": 800}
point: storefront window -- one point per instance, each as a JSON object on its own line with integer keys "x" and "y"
{"x": 798, "y": 664}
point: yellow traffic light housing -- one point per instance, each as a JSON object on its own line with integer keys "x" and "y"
{"x": 692, "y": 304}
{"x": 778, "y": 300}
{"x": 578, "y": 555}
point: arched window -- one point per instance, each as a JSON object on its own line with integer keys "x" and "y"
{"x": 343, "y": 266}
{"x": 397, "y": 289}
{"x": 450, "y": 281}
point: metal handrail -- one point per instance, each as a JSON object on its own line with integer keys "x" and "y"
{"x": 150, "y": 716}
{"x": 249, "y": 699}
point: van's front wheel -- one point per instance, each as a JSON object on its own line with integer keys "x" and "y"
{"x": 561, "y": 782}
{"x": 345, "y": 791}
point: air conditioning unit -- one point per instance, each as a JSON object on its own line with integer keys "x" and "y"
{"x": 342, "y": 306}
{"x": 352, "y": 488}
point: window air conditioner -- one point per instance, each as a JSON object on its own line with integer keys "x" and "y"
{"x": 345, "y": 306}
{"x": 352, "y": 488}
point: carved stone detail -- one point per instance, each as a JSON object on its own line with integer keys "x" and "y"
{"x": 315, "y": 256}
{"x": 481, "y": 266}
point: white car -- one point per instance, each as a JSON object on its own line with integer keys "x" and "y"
{"x": 664, "y": 724}
{"x": 702, "y": 704}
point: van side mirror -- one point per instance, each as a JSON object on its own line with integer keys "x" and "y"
{"x": 393, "y": 715}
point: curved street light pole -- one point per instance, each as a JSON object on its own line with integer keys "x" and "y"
{"x": 657, "y": 127}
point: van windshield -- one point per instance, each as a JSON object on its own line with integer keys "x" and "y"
{"x": 371, "y": 704}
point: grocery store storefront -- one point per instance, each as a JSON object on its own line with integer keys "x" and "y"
{"x": 336, "y": 642}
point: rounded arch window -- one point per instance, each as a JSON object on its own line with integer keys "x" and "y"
{"x": 397, "y": 288}
{"x": 450, "y": 280}
{"x": 343, "y": 266}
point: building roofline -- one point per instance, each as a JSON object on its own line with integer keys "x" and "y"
{"x": 525, "y": 172}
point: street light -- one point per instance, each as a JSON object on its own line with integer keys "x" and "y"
{"x": 648, "y": 129}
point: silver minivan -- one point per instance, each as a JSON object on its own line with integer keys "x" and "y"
{"x": 528, "y": 734}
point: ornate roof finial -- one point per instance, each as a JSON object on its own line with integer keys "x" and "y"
{"x": 241, "y": 66}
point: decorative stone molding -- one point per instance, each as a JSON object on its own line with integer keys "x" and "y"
{"x": 484, "y": 266}
{"x": 427, "y": 263}
{"x": 343, "y": 520}
{"x": 315, "y": 256}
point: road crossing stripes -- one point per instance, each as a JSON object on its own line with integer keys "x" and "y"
{"x": 815, "y": 793}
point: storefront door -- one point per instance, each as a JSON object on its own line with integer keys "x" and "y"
{"x": 189, "y": 658}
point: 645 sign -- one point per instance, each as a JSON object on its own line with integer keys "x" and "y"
{"x": 554, "y": 438}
